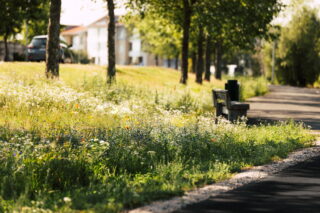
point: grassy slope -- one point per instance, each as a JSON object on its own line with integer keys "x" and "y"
{"x": 152, "y": 77}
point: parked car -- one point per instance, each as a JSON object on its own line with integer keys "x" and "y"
{"x": 36, "y": 50}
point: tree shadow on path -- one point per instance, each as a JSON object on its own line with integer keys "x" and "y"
{"x": 296, "y": 189}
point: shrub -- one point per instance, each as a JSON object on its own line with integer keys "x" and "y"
{"x": 298, "y": 62}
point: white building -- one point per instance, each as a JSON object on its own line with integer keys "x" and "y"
{"x": 92, "y": 39}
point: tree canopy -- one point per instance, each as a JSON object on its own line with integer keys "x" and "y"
{"x": 298, "y": 62}
{"x": 225, "y": 22}
{"x": 14, "y": 14}
{"x": 162, "y": 39}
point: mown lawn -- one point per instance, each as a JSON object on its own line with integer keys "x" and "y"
{"x": 78, "y": 144}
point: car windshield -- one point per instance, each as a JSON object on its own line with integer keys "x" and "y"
{"x": 39, "y": 42}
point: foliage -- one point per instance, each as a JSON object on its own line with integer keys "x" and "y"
{"x": 77, "y": 56}
{"x": 15, "y": 13}
{"x": 238, "y": 23}
{"x": 9, "y": 25}
{"x": 224, "y": 22}
{"x": 317, "y": 83}
{"x": 80, "y": 144}
{"x": 251, "y": 87}
{"x": 37, "y": 21}
{"x": 161, "y": 39}
{"x": 298, "y": 54}
{"x": 266, "y": 53}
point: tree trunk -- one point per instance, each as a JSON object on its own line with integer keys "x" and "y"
{"x": 218, "y": 61}
{"x": 156, "y": 58}
{"x": 185, "y": 40}
{"x": 111, "y": 43}
{"x": 194, "y": 61}
{"x": 200, "y": 67}
{"x": 53, "y": 42}
{"x": 176, "y": 64}
{"x": 208, "y": 59}
{"x": 169, "y": 62}
{"x": 6, "y": 49}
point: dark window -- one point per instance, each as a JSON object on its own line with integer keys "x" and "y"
{"x": 130, "y": 60}
{"x": 39, "y": 42}
{"x": 140, "y": 60}
{"x": 130, "y": 46}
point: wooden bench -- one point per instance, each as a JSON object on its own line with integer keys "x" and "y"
{"x": 231, "y": 110}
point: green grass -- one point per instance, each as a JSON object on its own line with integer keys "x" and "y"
{"x": 78, "y": 144}
{"x": 317, "y": 83}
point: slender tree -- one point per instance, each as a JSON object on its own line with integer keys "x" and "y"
{"x": 6, "y": 49}
{"x": 218, "y": 62}
{"x": 200, "y": 67}
{"x": 187, "y": 13}
{"x": 179, "y": 13}
{"x": 111, "y": 73}
{"x": 207, "y": 74}
{"x": 176, "y": 64}
{"x": 53, "y": 41}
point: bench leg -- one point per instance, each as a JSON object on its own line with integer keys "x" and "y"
{"x": 219, "y": 112}
{"x": 234, "y": 115}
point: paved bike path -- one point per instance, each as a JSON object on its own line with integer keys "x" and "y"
{"x": 295, "y": 189}
{"x": 284, "y": 102}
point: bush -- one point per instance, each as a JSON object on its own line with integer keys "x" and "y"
{"x": 299, "y": 47}
{"x": 77, "y": 56}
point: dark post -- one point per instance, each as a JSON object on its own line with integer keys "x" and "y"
{"x": 234, "y": 90}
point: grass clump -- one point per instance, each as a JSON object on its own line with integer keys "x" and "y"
{"x": 250, "y": 87}
{"x": 80, "y": 145}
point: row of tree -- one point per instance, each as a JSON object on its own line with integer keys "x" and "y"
{"x": 297, "y": 57}
{"x": 168, "y": 27}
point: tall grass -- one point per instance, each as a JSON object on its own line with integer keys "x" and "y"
{"x": 79, "y": 144}
{"x": 252, "y": 86}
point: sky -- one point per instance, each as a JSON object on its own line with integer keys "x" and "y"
{"x": 285, "y": 15}
{"x": 84, "y": 12}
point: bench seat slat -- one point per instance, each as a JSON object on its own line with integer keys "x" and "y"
{"x": 239, "y": 105}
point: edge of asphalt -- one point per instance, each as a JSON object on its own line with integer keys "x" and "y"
{"x": 254, "y": 174}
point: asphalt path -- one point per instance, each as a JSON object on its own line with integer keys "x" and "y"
{"x": 295, "y": 189}
{"x": 284, "y": 102}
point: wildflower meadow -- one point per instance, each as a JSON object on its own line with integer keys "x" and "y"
{"x": 78, "y": 144}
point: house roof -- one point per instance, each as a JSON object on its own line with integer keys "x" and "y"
{"x": 105, "y": 17}
{"x": 74, "y": 30}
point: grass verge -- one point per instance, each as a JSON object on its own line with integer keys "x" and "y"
{"x": 79, "y": 144}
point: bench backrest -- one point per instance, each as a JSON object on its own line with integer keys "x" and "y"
{"x": 221, "y": 97}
